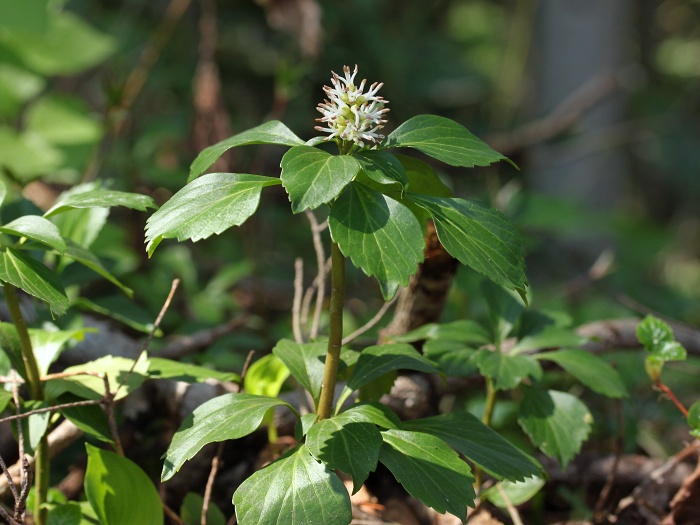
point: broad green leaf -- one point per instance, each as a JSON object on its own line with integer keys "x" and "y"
{"x": 17, "y": 86}
{"x": 100, "y": 198}
{"x": 207, "y": 206}
{"x": 33, "y": 427}
{"x": 379, "y": 235}
{"x": 266, "y": 376}
{"x": 65, "y": 514}
{"x": 28, "y": 274}
{"x": 29, "y": 17}
{"x": 375, "y": 413}
{"x": 444, "y": 140}
{"x": 313, "y": 177}
{"x": 90, "y": 419}
{"x": 81, "y": 255}
{"x": 507, "y": 371}
{"x": 38, "y": 229}
{"x": 422, "y": 178}
{"x": 517, "y": 493}
{"x": 48, "y": 344}
{"x": 463, "y": 331}
{"x": 347, "y": 442}
{"x": 479, "y": 443}
{"x": 375, "y": 361}
{"x": 429, "y": 470}
{"x": 550, "y": 337}
{"x": 693, "y": 419}
{"x": 480, "y": 237}
{"x": 119, "y": 491}
{"x": 191, "y": 511}
{"x": 272, "y": 132}
{"x": 230, "y": 416}
{"x": 63, "y": 121}
{"x": 557, "y": 423}
{"x": 295, "y": 490}
{"x": 455, "y": 359}
{"x": 306, "y": 363}
{"x": 81, "y": 225}
{"x": 27, "y": 155}
{"x": 590, "y": 369}
{"x": 505, "y": 309}
{"x": 382, "y": 167}
{"x": 160, "y": 368}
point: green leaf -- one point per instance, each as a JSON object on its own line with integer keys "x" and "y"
{"x": 382, "y": 167}
{"x": 507, "y": 371}
{"x": 30, "y": 275}
{"x": 557, "y": 423}
{"x": 35, "y": 426}
{"x": 375, "y": 361}
{"x": 272, "y": 132}
{"x": 652, "y": 332}
{"x": 38, "y": 229}
{"x": 266, "y": 376}
{"x": 160, "y": 368}
{"x": 5, "y": 398}
{"x": 207, "y": 206}
{"x": 517, "y": 493}
{"x": 3, "y": 192}
{"x": 296, "y": 490}
{"x": 505, "y": 309}
{"x": 191, "y": 511}
{"x": 63, "y": 120}
{"x": 119, "y": 491}
{"x": 480, "y": 237}
{"x": 85, "y": 257}
{"x": 27, "y": 155}
{"x": 429, "y": 470}
{"x": 377, "y": 233}
{"x": 230, "y": 416}
{"x": 347, "y": 442}
{"x": 48, "y": 344}
{"x": 313, "y": 177}
{"x": 462, "y": 331}
{"x": 479, "y": 443}
{"x": 306, "y": 362}
{"x": 443, "y": 139}
{"x": 422, "y": 178}
{"x": 100, "y": 199}
{"x": 90, "y": 419}
{"x": 375, "y": 413}
{"x": 81, "y": 225}
{"x": 9, "y": 343}
{"x": 590, "y": 369}
{"x": 693, "y": 419}
{"x": 65, "y": 514}
{"x": 455, "y": 359}
{"x": 550, "y": 337}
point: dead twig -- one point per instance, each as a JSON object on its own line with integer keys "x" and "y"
{"x": 296, "y": 304}
{"x": 215, "y": 462}
{"x": 320, "y": 281}
{"x": 372, "y": 322}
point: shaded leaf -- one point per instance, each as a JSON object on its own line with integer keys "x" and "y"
{"x": 85, "y": 257}
{"x": 90, "y": 419}
{"x": 266, "y": 376}
{"x": 455, "y": 359}
{"x": 462, "y": 330}
{"x": 191, "y": 511}
{"x": 550, "y": 337}
{"x": 507, "y": 371}
{"x": 693, "y": 419}
{"x": 382, "y": 167}
{"x": 38, "y": 229}
{"x": 306, "y": 362}
{"x": 590, "y": 369}
{"x": 422, "y": 178}
{"x": 160, "y": 368}
{"x": 517, "y": 493}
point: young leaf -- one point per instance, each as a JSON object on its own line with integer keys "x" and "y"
{"x": 313, "y": 177}
{"x": 207, "y": 206}
{"x": 506, "y": 370}
{"x": 377, "y": 233}
{"x": 38, "y": 229}
{"x": 305, "y": 362}
{"x": 347, "y": 442}
{"x": 30, "y": 275}
{"x": 382, "y": 167}
{"x": 480, "y": 444}
{"x": 517, "y": 493}
{"x": 429, "y": 470}
{"x": 89, "y": 260}
{"x": 66, "y": 514}
{"x": 101, "y": 199}
{"x": 375, "y": 361}
{"x": 444, "y": 140}
{"x": 159, "y": 368}
{"x": 266, "y": 376}
{"x": 296, "y": 490}
{"x": 480, "y": 237}
{"x": 214, "y": 421}
{"x": 119, "y": 491}
{"x": 557, "y": 423}
{"x": 272, "y": 132}
{"x": 590, "y": 369}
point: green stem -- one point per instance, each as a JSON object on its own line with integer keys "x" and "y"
{"x": 41, "y": 458}
{"x": 486, "y": 419}
{"x": 335, "y": 337}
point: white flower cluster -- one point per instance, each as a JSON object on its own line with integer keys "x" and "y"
{"x": 351, "y": 115}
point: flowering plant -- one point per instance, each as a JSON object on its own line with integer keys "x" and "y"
{"x": 378, "y": 204}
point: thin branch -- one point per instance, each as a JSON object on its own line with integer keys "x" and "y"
{"x": 667, "y": 390}
{"x": 512, "y": 511}
{"x": 372, "y": 322}
{"x": 296, "y": 304}
{"x": 193, "y": 342}
{"x": 54, "y": 408}
{"x": 7, "y": 517}
{"x": 171, "y": 514}
{"x": 216, "y": 460}
{"x": 13, "y": 488}
{"x": 316, "y": 230}
{"x": 246, "y": 365}
{"x": 600, "y": 514}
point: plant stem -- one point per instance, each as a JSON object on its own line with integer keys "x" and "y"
{"x": 335, "y": 336}
{"x": 41, "y": 458}
{"x": 490, "y": 402}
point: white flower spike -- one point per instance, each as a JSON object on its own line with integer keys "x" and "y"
{"x": 353, "y": 118}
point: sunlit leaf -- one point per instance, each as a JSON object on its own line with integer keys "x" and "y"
{"x": 100, "y": 198}
{"x": 38, "y": 229}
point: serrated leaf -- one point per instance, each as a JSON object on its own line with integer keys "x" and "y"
{"x": 444, "y": 140}
{"x": 429, "y": 470}
{"x": 28, "y": 274}
{"x": 375, "y": 361}
{"x": 376, "y": 413}
{"x": 479, "y": 443}
{"x": 313, "y": 177}
{"x": 272, "y": 132}
{"x": 462, "y": 330}
{"x": 557, "y": 423}
{"x": 455, "y": 359}
{"x": 207, "y": 206}
{"x": 230, "y": 416}
{"x": 306, "y": 362}
{"x": 652, "y": 331}
{"x": 85, "y": 257}
{"x": 379, "y": 235}
{"x": 590, "y": 369}
{"x": 346, "y": 442}
{"x": 382, "y": 167}
{"x": 296, "y": 490}
{"x": 549, "y": 337}
{"x": 160, "y": 368}
{"x": 119, "y": 491}
{"x": 517, "y": 493}
{"x": 100, "y": 198}
{"x": 266, "y": 376}
{"x": 507, "y": 371}
{"x": 480, "y": 237}
{"x": 38, "y": 229}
